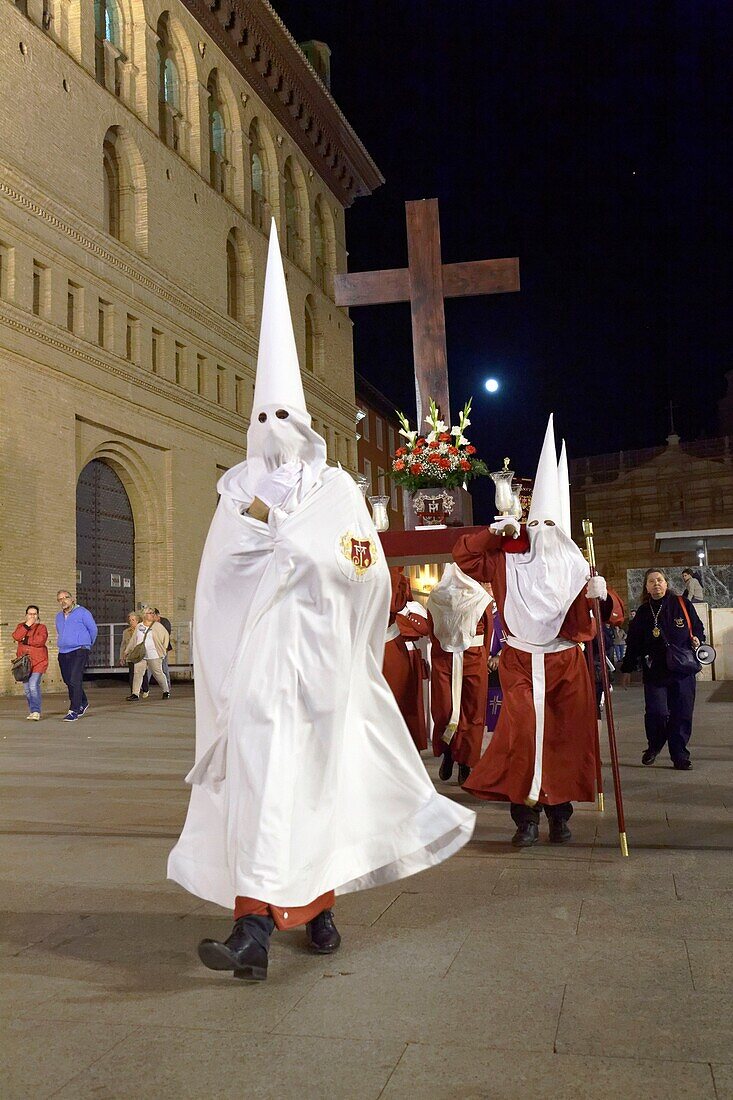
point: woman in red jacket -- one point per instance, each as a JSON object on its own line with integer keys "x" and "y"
{"x": 31, "y": 636}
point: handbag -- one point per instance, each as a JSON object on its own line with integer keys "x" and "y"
{"x": 138, "y": 652}
{"x": 21, "y": 669}
{"x": 681, "y": 660}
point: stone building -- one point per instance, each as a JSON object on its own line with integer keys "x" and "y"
{"x": 144, "y": 147}
{"x": 378, "y": 440}
{"x": 632, "y": 495}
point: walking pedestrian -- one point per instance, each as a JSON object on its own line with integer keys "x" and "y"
{"x": 32, "y": 636}
{"x": 167, "y": 624}
{"x": 133, "y": 622}
{"x": 662, "y": 636}
{"x": 619, "y": 643}
{"x": 146, "y": 649}
{"x": 77, "y": 633}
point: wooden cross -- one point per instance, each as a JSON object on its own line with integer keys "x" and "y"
{"x": 425, "y": 283}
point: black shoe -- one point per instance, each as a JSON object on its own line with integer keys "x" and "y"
{"x": 446, "y": 767}
{"x": 463, "y": 773}
{"x": 526, "y": 835}
{"x": 323, "y": 935}
{"x": 682, "y": 765}
{"x": 166, "y": 695}
{"x": 648, "y": 756}
{"x": 241, "y": 952}
{"x": 559, "y": 832}
{"x": 132, "y": 698}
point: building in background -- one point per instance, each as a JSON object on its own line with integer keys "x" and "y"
{"x": 378, "y": 440}
{"x": 144, "y": 151}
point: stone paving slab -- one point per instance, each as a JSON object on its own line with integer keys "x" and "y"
{"x": 561, "y": 969}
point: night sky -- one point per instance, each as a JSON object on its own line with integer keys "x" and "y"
{"x": 593, "y": 141}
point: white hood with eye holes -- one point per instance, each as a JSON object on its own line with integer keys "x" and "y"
{"x": 272, "y": 439}
{"x": 543, "y": 583}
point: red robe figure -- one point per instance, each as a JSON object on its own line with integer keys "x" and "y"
{"x": 403, "y": 664}
{"x": 460, "y": 632}
{"x": 543, "y": 751}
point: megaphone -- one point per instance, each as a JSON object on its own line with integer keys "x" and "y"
{"x": 705, "y": 654}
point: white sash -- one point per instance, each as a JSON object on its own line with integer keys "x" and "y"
{"x": 456, "y": 689}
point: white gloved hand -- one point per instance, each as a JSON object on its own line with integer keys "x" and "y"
{"x": 274, "y": 487}
{"x": 597, "y": 588}
{"x": 505, "y": 525}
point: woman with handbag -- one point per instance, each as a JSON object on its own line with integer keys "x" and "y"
{"x": 663, "y": 636}
{"x": 133, "y": 621}
{"x": 146, "y": 650}
{"x": 32, "y": 636}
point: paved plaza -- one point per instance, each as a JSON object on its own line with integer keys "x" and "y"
{"x": 559, "y": 971}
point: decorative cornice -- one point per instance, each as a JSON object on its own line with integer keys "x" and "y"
{"x": 259, "y": 45}
{"x": 22, "y": 193}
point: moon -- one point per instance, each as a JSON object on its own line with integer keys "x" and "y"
{"x": 491, "y": 385}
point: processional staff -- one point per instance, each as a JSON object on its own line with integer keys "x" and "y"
{"x": 613, "y": 747}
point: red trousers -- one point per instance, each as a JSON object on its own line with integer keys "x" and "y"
{"x": 283, "y": 918}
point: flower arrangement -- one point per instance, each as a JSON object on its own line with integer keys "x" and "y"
{"x": 441, "y": 459}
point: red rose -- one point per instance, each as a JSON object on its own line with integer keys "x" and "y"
{"x": 399, "y": 465}
{"x": 465, "y": 464}
{"x": 416, "y": 468}
{"x": 444, "y": 437}
{"x": 432, "y": 445}
{"x": 434, "y": 458}
{"x": 445, "y": 463}
{"x": 401, "y": 451}
{"x": 452, "y": 450}
{"x": 470, "y": 450}
{"x": 420, "y": 441}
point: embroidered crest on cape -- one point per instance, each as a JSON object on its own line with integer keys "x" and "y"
{"x": 679, "y": 622}
{"x": 356, "y": 555}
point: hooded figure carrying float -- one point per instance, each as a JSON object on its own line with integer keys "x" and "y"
{"x": 306, "y": 782}
{"x": 542, "y": 753}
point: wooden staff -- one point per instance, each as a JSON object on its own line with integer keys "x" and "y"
{"x": 615, "y": 770}
{"x": 600, "y": 802}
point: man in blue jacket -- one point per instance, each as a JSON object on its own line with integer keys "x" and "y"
{"x": 77, "y": 632}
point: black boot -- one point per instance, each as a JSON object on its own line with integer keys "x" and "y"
{"x": 648, "y": 757}
{"x": 323, "y": 935}
{"x": 527, "y": 833}
{"x": 463, "y": 773}
{"x": 446, "y": 766}
{"x": 559, "y": 832}
{"x": 244, "y": 952}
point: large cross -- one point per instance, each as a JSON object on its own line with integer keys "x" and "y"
{"x": 425, "y": 283}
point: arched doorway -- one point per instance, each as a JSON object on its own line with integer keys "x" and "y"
{"x": 105, "y": 544}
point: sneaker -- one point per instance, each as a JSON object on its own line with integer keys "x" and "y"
{"x": 648, "y": 757}
{"x": 34, "y": 716}
{"x": 166, "y": 695}
{"x": 132, "y": 699}
{"x": 83, "y": 710}
{"x": 70, "y": 717}
{"x": 682, "y": 765}
{"x": 145, "y": 694}
{"x": 30, "y": 717}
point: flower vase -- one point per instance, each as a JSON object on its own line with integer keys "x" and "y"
{"x": 432, "y": 507}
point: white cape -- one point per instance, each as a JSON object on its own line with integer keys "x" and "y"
{"x": 306, "y": 778}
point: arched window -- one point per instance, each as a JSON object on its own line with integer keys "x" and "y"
{"x": 233, "y": 295}
{"x": 292, "y": 238}
{"x": 260, "y": 211}
{"x": 310, "y": 337}
{"x": 169, "y": 88}
{"x": 108, "y": 44}
{"x": 112, "y": 190}
{"x": 217, "y": 136}
{"x": 124, "y": 190}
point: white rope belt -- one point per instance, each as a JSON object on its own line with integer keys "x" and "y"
{"x": 456, "y": 689}
{"x": 537, "y": 653}
{"x": 393, "y": 632}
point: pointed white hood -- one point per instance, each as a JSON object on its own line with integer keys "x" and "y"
{"x": 546, "y": 491}
{"x": 544, "y": 582}
{"x": 563, "y": 482}
{"x": 280, "y": 426}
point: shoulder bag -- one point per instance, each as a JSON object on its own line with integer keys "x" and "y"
{"x": 138, "y": 653}
{"x": 681, "y": 660}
